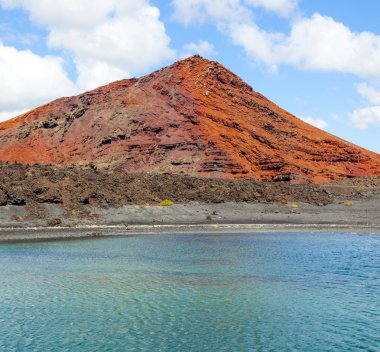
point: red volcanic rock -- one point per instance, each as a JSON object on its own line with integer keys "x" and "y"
{"x": 194, "y": 117}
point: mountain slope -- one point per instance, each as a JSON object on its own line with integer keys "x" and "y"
{"x": 194, "y": 117}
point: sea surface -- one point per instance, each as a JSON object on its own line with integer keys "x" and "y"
{"x": 251, "y": 292}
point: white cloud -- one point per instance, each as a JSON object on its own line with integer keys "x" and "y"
{"x": 370, "y": 93}
{"x": 363, "y": 118}
{"x": 198, "y": 11}
{"x": 203, "y": 48}
{"x": 92, "y": 73}
{"x": 6, "y": 115}
{"x": 316, "y": 43}
{"x": 315, "y": 122}
{"x": 108, "y": 39}
{"x": 224, "y": 11}
{"x": 29, "y": 80}
{"x": 282, "y": 7}
{"x": 321, "y": 43}
{"x": 259, "y": 45}
{"x": 63, "y": 14}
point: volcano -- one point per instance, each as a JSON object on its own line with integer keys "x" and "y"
{"x": 195, "y": 118}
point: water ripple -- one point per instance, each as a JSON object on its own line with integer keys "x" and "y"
{"x": 278, "y": 292}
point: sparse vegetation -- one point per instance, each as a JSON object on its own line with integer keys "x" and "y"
{"x": 166, "y": 203}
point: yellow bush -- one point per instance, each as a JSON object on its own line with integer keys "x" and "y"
{"x": 166, "y": 203}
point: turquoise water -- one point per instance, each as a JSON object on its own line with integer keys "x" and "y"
{"x": 253, "y": 292}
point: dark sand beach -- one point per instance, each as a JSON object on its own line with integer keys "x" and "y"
{"x": 340, "y": 216}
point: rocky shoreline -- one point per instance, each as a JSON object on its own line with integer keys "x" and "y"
{"x": 76, "y": 189}
{"x": 72, "y": 200}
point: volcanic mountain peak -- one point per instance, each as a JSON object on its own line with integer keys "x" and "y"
{"x": 194, "y": 117}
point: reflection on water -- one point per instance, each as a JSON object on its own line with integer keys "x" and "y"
{"x": 279, "y": 292}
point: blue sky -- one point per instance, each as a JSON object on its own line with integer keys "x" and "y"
{"x": 318, "y": 59}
